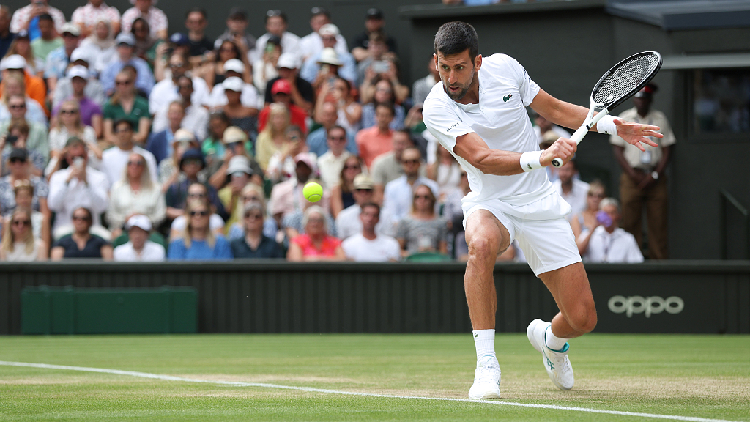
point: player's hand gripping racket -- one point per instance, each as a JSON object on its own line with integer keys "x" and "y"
{"x": 620, "y": 82}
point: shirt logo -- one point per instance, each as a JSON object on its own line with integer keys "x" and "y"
{"x": 507, "y": 97}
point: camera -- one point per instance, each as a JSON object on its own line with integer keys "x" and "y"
{"x": 11, "y": 140}
{"x": 380, "y": 67}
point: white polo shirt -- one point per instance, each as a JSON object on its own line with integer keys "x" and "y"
{"x": 501, "y": 120}
{"x": 382, "y": 249}
{"x": 618, "y": 246}
{"x": 577, "y": 195}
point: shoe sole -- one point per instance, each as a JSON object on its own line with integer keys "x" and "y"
{"x": 486, "y": 395}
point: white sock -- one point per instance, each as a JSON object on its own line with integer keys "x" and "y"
{"x": 554, "y": 343}
{"x": 484, "y": 342}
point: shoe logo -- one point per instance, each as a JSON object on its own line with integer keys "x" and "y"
{"x": 549, "y": 363}
{"x": 476, "y": 335}
{"x": 507, "y": 97}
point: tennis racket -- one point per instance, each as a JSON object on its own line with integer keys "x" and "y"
{"x": 620, "y": 82}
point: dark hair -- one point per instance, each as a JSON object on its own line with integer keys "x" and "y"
{"x": 237, "y": 53}
{"x": 336, "y": 127}
{"x": 222, "y": 116}
{"x": 370, "y": 205}
{"x": 389, "y": 106}
{"x": 186, "y": 77}
{"x": 200, "y": 10}
{"x": 87, "y": 211}
{"x": 46, "y": 17}
{"x": 456, "y": 37}
{"x": 237, "y": 14}
{"x": 141, "y": 21}
{"x": 406, "y": 132}
{"x": 118, "y": 122}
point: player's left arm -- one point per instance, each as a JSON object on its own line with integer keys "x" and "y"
{"x": 572, "y": 116}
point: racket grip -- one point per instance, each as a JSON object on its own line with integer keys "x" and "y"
{"x": 581, "y": 133}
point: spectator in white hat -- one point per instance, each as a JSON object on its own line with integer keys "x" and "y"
{"x": 86, "y": 17}
{"x": 35, "y": 88}
{"x": 145, "y": 9}
{"x": 144, "y": 79}
{"x": 58, "y": 59}
{"x": 312, "y": 44}
{"x": 318, "y": 60}
{"x": 246, "y": 118}
{"x": 234, "y": 69}
{"x": 82, "y": 85}
{"x": 301, "y": 92}
{"x": 21, "y": 45}
{"x": 196, "y": 116}
{"x": 139, "y": 248}
{"x": 239, "y": 174}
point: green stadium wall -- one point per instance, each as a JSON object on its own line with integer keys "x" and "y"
{"x": 279, "y": 297}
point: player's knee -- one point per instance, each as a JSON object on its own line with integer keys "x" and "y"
{"x": 584, "y": 320}
{"x": 482, "y": 249}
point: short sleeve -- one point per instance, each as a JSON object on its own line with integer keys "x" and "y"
{"x": 527, "y": 87}
{"x": 443, "y": 122}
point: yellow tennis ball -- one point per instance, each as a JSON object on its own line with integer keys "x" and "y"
{"x": 313, "y": 192}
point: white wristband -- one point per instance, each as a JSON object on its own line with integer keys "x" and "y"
{"x": 530, "y": 160}
{"x": 607, "y": 125}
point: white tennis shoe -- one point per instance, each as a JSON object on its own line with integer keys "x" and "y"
{"x": 486, "y": 379}
{"x": 556, "y": 362}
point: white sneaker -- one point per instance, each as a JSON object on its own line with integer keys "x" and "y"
{"x": 486, "y": 379}
{"x": 556, "y": 362}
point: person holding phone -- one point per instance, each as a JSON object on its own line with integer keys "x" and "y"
{"x": 27, "y": 18}
{"x": 608, "y": 242}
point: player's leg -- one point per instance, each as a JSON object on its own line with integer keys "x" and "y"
{"x": 486, "y": 237}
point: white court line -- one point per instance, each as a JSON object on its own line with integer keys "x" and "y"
{"x": 350, "y": 393}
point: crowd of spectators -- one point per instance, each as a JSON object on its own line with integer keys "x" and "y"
{"x": 122, "y": 142}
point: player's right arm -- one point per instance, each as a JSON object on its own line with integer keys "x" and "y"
{"x": 473, "y": 149}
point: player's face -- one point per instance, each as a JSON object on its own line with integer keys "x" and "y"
{"x": 459, "y": 75}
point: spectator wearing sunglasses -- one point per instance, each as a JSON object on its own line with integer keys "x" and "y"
{"x": 398, "y": 195}
{"x": 36, "y": 136}
{"x": 81, "y": 243}
{"x": 23, "y": 192}
{"x": 115, "y": 159}
{"x": 19, "y": 243}
{"x": 198, "y": 242}
{"x": 17, "y": 163}
{"x": 255, "y": 244}
{"x": 166, "y": 90}
{"x": 17, "y": 137}
{"x": 422, "y": 230}
{"x": 71, "y": 124}
{"x": 252, "y": 193}
{"x": 144, "y": 77}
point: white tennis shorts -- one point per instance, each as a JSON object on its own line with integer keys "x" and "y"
{"x": 542, "y": 231}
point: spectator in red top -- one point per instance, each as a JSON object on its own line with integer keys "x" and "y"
{"x": 315, "y": 244}
{"x": 378, "y": 139}
{"x": 281, "y": 93}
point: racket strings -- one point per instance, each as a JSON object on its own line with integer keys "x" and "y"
{"x": 622, "y": 80}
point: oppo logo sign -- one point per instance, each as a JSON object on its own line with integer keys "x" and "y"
{"x": 645, "y": 305}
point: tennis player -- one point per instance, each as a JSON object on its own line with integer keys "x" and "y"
{"x": 478, "y": 113}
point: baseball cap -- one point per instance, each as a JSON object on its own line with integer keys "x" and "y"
{"x": 233, "y": 134}
{"x": 647, "y": 91}
{"x": 374, "y": 14}
{"x": 70, "y": 28}
{"x": 287, "y": 61}
{"x": 125, "y": 38}
{"x": 329, "y": 56}
{"x": 179, "y": 39}
{"x": 281, "y": 86}
{"x": 14, "y": 61}
{"x": 140, "y": 221}
{"x": 232, "y": 84}
{"x": 239, "y": 164}
{"x": 307, "y": 158}
{"x": 183, "y": 135}
{"x": 234, "y": 65}
{"x": 193, "y": 154}
{"x": 78, "y": 71}
{"x": 363, "y": 181}
{"x": 79, "y": 54}
{"x": 329, "y": 29}
{"x": 19, "y": 154}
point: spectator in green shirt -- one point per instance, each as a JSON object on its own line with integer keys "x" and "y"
{"x": 48, "y": 40}
{"x": 125, "y": 104}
